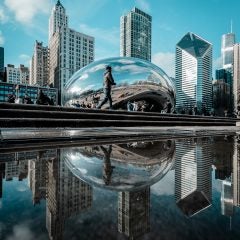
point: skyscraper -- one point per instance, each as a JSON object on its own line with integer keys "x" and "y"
{"x": 1, "y": 64}
{"x": 236, "y": 75}
{"x": 39, "y": 74}
{"x": 69, "y": 50}
{"x": 193, "y": 73}
{"x": 57, "y": 19}
{"x": 135, "y": 34}
{"x": 228, "y": 40}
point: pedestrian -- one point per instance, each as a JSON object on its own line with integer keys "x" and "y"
{"x": 108, "y": 82}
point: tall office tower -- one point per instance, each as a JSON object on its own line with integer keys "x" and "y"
{"x": 69, "y": 50}
{"x": 1, "y": 64}
{"x": 228, "y": 40}
{"x": 136, "y": 34}
{"x": 134, "y": 212}
{"x": 193, "y": 191}
{"x": 57, "y": 19}
{"x": 193, "y": 73}
{"x": 236, "y": 76}
{"x": 39, "y": 73}
{"x": 18, "y": 75}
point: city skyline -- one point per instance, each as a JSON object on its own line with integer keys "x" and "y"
{"x": 171, "y": 20}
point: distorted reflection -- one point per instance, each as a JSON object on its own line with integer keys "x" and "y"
{"x": 193, "y": 189}
{"x": 125, "y": 166}
{"x": 139, "y": 83}
{"x": 65, "y": 180}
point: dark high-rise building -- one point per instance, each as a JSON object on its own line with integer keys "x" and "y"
{"x": 222, "y": 92}
{"x": 1, "y": 64}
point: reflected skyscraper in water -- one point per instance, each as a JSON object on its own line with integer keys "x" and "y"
{"x": 66, "y": 196}
{"x": 134, "y": 212}
{"x": 193, "y": 189}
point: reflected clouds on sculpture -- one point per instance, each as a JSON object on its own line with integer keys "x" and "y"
{"x": 136, "y": 80}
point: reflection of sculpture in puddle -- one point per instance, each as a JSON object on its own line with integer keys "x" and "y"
{"x": 107, "y": 168}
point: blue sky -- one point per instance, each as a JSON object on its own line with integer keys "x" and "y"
{"x": 24, "y": 21}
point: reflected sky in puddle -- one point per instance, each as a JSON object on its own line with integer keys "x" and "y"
{"x": 175, "y": 189}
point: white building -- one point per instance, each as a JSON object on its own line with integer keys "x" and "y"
{"x": 18, "y": 75}
{"x": 228, "y": 40}
{"x": 135, "y": 34}
{"x": 236, "y": 75}
{"x": 39, "y": 74}
{"x": 69, "y": 50}
{"x": 57, "y": 19}
{"x": 193, "y": 73}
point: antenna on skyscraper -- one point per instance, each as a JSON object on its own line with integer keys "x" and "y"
{"x": 231, "y": 26}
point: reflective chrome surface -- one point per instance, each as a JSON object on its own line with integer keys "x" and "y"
{"x": 137, "y": 80}
{"x": 123, "y": 166}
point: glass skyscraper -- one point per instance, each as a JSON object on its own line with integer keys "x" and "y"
{"x": 135, "y": 35}
{"x": 1, "y": 64}
{"x": 193, "y": 73}
{"x": 228, "y": 40}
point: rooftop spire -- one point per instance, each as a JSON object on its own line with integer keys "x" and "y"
{"x": 231, "y": 26}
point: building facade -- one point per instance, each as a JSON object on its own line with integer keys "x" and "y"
{"x": 20, "y": 90}
{"x": 57, "y": 19}
{"x": 193, "y": 73}
{"x": 221, "y": 92}
{"x": 236, "y": 76}
{"x": 1, "y": 64}
{"x": 39, "y": 74}
{"x": 69, "y": 50}
{"x": 228, "y": 40}
{"x": 136, "y": 34}
{"x": 18, "y": 75}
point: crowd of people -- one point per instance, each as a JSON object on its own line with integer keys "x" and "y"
{"x": 42, "y": 99}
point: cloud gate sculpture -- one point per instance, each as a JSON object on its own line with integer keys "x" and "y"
{"x": 137, "y": 81}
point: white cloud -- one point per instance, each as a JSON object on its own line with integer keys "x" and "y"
{"x": 26, "y": 10}
{"x": 217, "y": 63}
{"x": 3, "y": 16}
{"x": 24, "y": 59}
{"x": 2, "y": 40}
{"x": 143, "y": 5}
{"x": 166, "y": 61}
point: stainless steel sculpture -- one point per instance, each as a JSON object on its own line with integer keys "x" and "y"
{"x": 137, "y": 81}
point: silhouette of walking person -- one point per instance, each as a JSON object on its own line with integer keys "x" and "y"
{"x": 107, "y": 168}
{"x": 108, "y": 82}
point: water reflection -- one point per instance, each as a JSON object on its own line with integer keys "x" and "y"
{"x": 65, "y": 179}
{"x": 193, "y": 189}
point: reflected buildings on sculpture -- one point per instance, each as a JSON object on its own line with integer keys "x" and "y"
{"x": 136, "y": 80}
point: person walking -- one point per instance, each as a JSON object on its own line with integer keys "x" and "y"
{"x": 108, "y": 82}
